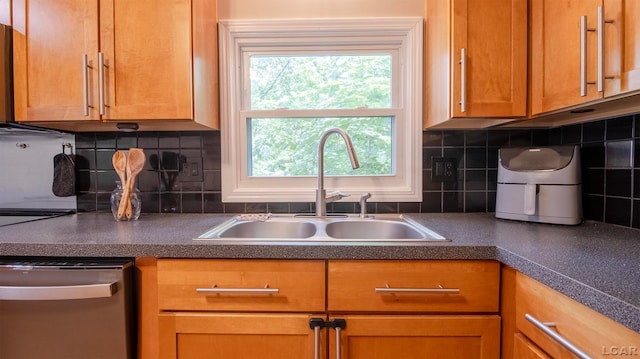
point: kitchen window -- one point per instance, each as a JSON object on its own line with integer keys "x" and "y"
{"x": 285, "y": 82}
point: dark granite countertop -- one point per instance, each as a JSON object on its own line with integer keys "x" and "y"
{"x": 594, "y": 263}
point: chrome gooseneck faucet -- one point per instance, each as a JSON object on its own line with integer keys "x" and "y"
{"x": 321, "y": 194}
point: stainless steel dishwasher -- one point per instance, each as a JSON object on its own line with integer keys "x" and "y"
{"x": 54, "y": 308}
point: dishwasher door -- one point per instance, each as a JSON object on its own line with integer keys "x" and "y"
{"x": 70, "y": 309}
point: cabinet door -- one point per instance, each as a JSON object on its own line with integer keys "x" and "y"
{"x": 493, "y": 33}
{"x": 621, "y": 46}
{"x": 238, "y": 336}
{"x": 413, "y": 337}
{"x": 147, "y": 54}
{"x": 51, "y": 37}
{"x": 556, "y": 52}
{"x": 523, "y": 348}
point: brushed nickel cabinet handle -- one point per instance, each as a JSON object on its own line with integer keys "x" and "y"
{"x": 215, "y": 290}
{"x": 316, "y": 324}
{"x": 583, "y": 56}
{"x": 601, "y": 75}
{"x": 463, "y": 80}
{"x": 338, "y": 324}
{"x": 338, "y": 342}
{"x": 439, "y": 290}
{"x": 600, "y": 79}
{"x": 85, "y": 85}
{"x": 316, "y": 343}
{"x": 557, "y": 337}
{"x": 101, "y": 67}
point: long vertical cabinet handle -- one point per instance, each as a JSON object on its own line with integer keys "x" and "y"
{"x": 316, "y": 342}
{"x": 583, "y": 56}
{"x": 338, "y": 325}
{"x": 338, "y": 329}
{"x": 600, "y": 79}
{"x": 101, "y": 82}
{"x": 85, "y": 85}
{"x": 601, "y": 22}
{"x": 316, "y": 324}
{"x": 463, "y": 80}
{"x": 557, "y": 337}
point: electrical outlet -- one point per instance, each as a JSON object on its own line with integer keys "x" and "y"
{"x": 443, "y": 169}
{"x": 190, "y": 169}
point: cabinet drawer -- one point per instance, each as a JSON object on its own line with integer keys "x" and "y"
{"x": 589, "y": 331}
{"x": 414, "y": 286}
{"x": 241, "y": 285}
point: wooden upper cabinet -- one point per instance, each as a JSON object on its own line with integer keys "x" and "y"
{"x": 147, "y": 56}
{"x": 475, "y": 61}
{"x": 51, "y": 37}
{"x": 621, "y": 47}
{"x": 145, "y": 60}
{"x": 561, "y": 47}
{"x": 556, "y": 53}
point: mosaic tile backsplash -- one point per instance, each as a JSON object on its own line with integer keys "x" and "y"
{"x": 610, "y": 177}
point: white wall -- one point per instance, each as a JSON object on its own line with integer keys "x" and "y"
{"x": 274, "y": 9}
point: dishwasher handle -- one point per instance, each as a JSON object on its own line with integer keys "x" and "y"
{"x": 63, "y": 292}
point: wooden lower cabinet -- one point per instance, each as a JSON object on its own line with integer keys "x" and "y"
{"x": 414, "y": 309}
{"x": 523, "y": 348}
{"x": 237, "y": 336}
{"x": 417, "y": 336}
{"x": 239, "y": 309}
{"x": 533, "y": 313}
{"x": 261, "y": 309}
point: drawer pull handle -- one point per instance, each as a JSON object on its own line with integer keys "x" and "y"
{"x": 438, "y": 290}
{"x": 555, "y": 336}
{"x": 215, "y": 290}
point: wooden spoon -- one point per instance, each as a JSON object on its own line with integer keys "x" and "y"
{"x": 135, "y": 166}
{"x": 119, "y": 161}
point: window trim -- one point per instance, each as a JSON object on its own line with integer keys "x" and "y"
{"x": 238, "y": 36}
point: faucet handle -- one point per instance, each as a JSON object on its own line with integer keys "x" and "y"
{"x": 336, "y": 196}
{"x": 363, "y": 204}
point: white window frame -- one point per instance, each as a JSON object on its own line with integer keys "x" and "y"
{"x": 239, "y": 37}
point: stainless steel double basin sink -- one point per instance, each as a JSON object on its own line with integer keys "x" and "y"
{"x": 298, "y": 228}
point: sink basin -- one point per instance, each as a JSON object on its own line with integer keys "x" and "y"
{"x": 262, "y": 229}
{"x": 377, "y": 228}
{"x": 372, "y": 230}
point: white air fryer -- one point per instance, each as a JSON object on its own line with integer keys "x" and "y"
{"x": 540, "y": 184}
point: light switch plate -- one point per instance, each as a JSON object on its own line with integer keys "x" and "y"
{"x": 190, "y": 169}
